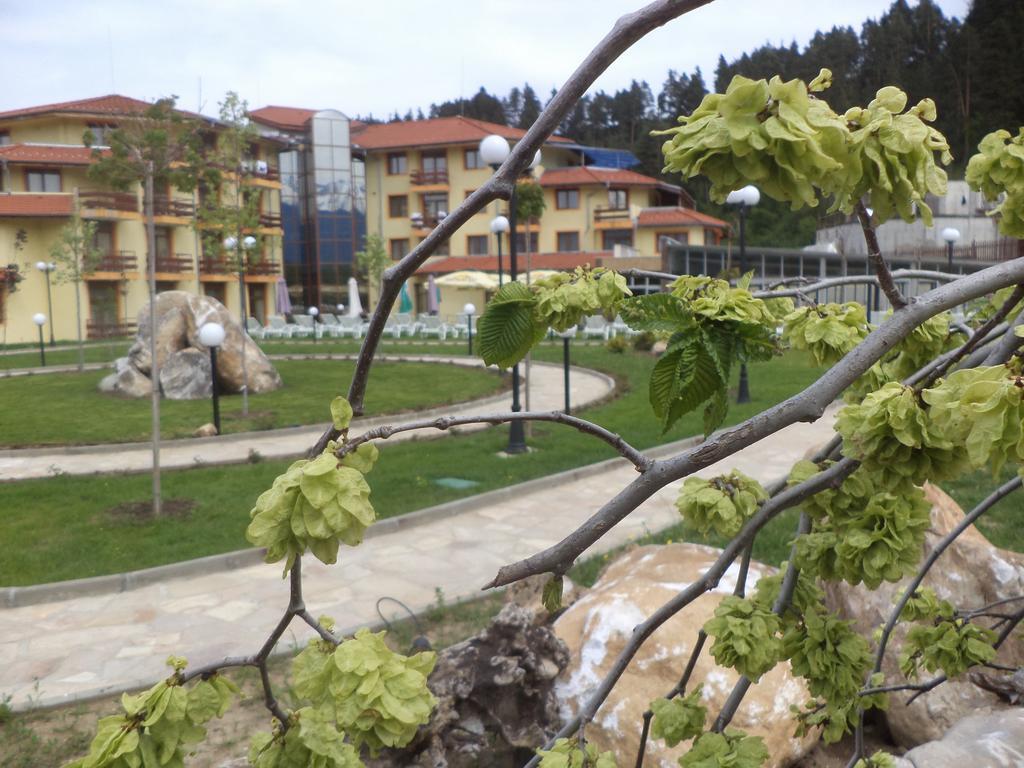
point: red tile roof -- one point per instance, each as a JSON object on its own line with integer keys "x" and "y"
{"x": 112, "y": 104}
{"x": 537, "y": 261}
{"x": 46, "y": 154}
{"x": 436, "y": 132}
{"x": 677, "y": 217}
{"x": 35, "y": 205}
{"x": 582, "y": 175}
{"x": 283, "y": 118}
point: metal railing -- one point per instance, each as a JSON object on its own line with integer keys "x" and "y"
{"x": 610, "y": 214}
{"x": 263, "y": 268}
{"x": 1003, "y": 249}
{"x": 178, "y": 263}
{"x": 164, "y": 205}
{"x": 118, "y": 261}
{"x": 215, "y": 266}
{"x": 97, "y": 329}
{"x": 428, "y": 177}
{"x": 270, "y": 220}
{"x": 93, "y": 199}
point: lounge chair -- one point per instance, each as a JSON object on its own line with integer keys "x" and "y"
{"x": 254, "y": 328}
{"x": 304, "y": 326}
{"x": 597, "y": 326}
{"x": 431, "y": 325}
{"x": 277, "y": 328}
{"x": 404, "y": 322}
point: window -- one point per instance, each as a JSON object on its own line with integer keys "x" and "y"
{"x": 666, "y": 239}
{"x": 399, "y": 248}
{"x": 472, "y": 159}
{"x": 5, "y": 138}
{"x": 435, "y": 162}
{"x": 434, "y": 203}
{"x": 476, "y": 245}
{"x": 612, "y": 237}
{"x": 396, "y": 163}
{"x": 568, "y": 241}
{"x": 42, "y": 181}
{"x": 101, "y": 134}
{"x": 618, "y": 199}
{"x": 104, "y": 304}
{"x": 567, "y": 198}
{"x": 216, "y": 291}
{"x": 398, "y": 206}
{"x": 163, "y": 243}
{"x": 521, "y": 242}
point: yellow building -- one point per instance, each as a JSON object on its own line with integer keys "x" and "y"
{"x": 417, "y": 171}
{"x": 43, "y": 179}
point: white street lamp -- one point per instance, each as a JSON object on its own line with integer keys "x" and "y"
{"x": 747, "y": 197}
{"x": 211, "y": 335}
{"x": 499, "y": 226}
{"x": 46, "y": 268}
{"x": 470, "y": 310}
{"x": 313, "y": 312}
{"x": 40, "y": 320}
{"x": 494, "y": 149}
{"x": 951, "y": 236}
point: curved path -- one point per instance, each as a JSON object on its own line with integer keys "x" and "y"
{"x": 546, "y": 391}
{"x": 58, "y": 652}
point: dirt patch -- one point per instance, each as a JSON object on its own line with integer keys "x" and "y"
{"x": 142, "y": 511}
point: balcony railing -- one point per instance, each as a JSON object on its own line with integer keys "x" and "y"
{"x": 98, "y": 329}
{"x": 169, "y": 206}
{"x": 119, "y": 261}
{"x": 429, "y": 177}
{"x": 610, "y": 214}
{"x": 178, "y": 263}
{"x": 215, "y": 266}
{"x": 270, "y": 220}
{"x": 263, "y": 268}
{"x": 1003, "y": 249}
{"x": 113, "y": 201}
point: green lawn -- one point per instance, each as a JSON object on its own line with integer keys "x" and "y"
{"x": 62, "y": 528}
{"x": 68, "y": 409}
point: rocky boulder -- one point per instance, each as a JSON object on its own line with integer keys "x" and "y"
{"x": 994, "y": 740}
{"x": 970, "y": 573}
{"x": 598, "y": 625}
{"x": 179, "y": 316}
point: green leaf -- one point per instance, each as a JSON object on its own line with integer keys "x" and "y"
{"x": 341, "y": 413}
{"x": 678, "y": 719}
{"x": 552, "y": 596}
{"x": 657, "y": 313}
{"x": 507, "y": 330}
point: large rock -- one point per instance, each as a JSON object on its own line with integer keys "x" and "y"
{"x": 126, "y": 380}
{"x": 970, "y": 573}
{"x": 495, "y": 699}
{"x": 185, "y": 375}
{"x": 179, "y": 316}
{"x": 994, "y": 740}
{"x": 599, "y": 624}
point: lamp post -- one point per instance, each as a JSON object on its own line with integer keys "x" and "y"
{"x": 566, "y": 335}
{"x": 470, "y": 310}
{"x": 745, "y": 198}
{"x": 40, "y": 320}
{"x": 950, "y": 235}
{"x": 237, "y": 245}
{"x": 499, "y": 226}
{"x": 212, "y": 335}
{"x": 46, "y": 267}
{"x": 313, "y": 312}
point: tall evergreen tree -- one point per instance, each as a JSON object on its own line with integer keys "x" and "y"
{"x": 531, "y": 108}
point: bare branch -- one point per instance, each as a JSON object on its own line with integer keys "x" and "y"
{"x": 1007, "y": 345}
{"x": 209, "y": 669}
{"x": 875, "y": 257}
{"x": 808, "y": 405}
{"x": 307, "y": 617}
{"x": 833, "y": 282}
{"x": 627, "y": 451}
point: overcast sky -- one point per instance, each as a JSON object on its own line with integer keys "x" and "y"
{"x": 369, "y": 56}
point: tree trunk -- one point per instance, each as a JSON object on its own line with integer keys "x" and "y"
{"x": 154, "y": 370}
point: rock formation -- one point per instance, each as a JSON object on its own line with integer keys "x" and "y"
{"x": 971, "y": 573}
{"x": 184, "y": 363}
{"x": 598, "y": 625}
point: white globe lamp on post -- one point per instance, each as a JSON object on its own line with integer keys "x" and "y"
{"x": 745, "y": 198}
{"x": 314, "y": 313}
{"x": 211, "y": 335}
{"x": 951, "y": 236}
{"x": 46, "y": 267}
{"x": 470, "y": 310}
{"x": 40, "y": 320}
{"x": 499, "y": 226}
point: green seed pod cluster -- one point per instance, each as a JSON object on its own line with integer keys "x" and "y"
{"x": 566, "y": 753}
{"x": 827, "y": 331}
{"x": 838, "y": 505}
{"x": 925, "y": 605}
{"x": 157, "y": 726}
{"x": 951, "y": 645}
{"x": 722, "y": 504}
{"x": 770, "y": 133}
{"x": 890, "y": 433}
{"x": 311, "y": 741}
{"x": 892, "y": 157}
{"x": 879, "y": 759}
{"x": 729, "y": 749}
{"x": 806, "y": 595}
{"x": 564, "y": 299}
{"x": 717, "y": 300}
{"x": 998, "y": 168}
{"x": 746, "y": 637}
{"x": 679, "y": 718}
{"x": 377, "y": 697}
{"x": 315, "y": 504}
{"x": 983, "y": 410}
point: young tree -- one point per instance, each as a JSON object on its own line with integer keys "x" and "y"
{"x": 924, "y": 404}
{"x": 372, "y": 261}
{"x": 75, "y": 253}
{"x": 159, "y": 147}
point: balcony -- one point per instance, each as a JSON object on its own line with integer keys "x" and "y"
{"x": 119, "y": 261}
{"x": 163, "y": 205}
{"x": 270, "y": 220}
{"x": 428, "y": 177}
{"x": 263, "y": 268}
{"x": 179, "y": 263}
{"x": 110, "y": 201}
{"x": 611, "y": 214}
{"x": 96, "y": 329}
{"x": 216, "y": 266}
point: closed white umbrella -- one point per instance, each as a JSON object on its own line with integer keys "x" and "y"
{"x": 468, "y": 278}
{"x": 355, "y": 306}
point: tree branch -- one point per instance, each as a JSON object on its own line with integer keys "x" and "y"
{"x": 808, "y": 405}
{"x": 832, "y": 282}
{"x": 885, "y": 280}
{"x": 627, "y": 451}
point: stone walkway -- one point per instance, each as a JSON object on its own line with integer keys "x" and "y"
{"x": 546, "y": 389}
{"x": 62, "y": 651}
